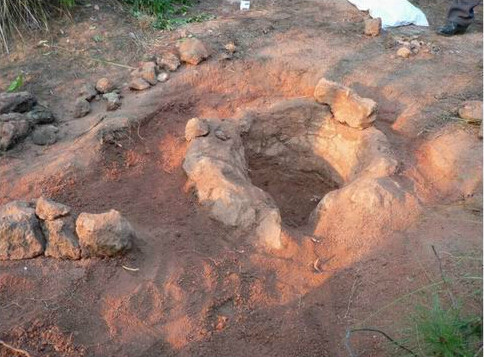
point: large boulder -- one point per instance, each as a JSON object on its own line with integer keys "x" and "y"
{"x": 450, "y": 163}
{"x": 347, "y": 106}
{"x": 216, "y": 167}
{"x": 192, "y": 51}
{"x": 358, "y": 215}
{"x": 61, "y": 240}
{"x": 104, "y": 234}
{"x": 20, "y": 233}
{"x": 20, "y": 102}
{"x": 13, "y": 128}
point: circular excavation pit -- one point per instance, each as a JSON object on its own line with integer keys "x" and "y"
{"x": 297, "y": 160}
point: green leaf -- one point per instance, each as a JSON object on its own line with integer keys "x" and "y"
{"x": 16, "y": 83}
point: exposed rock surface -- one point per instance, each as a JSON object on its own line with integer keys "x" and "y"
{"x": 104, "y": 85}
{"x": 374, "y": 206}
{"x": 138, "y": 84}
{"x": 47, "y": 209}
{"x": 45, "y": 135}
{"x": 195, "y": 128}
{"x": 88, "y": 92}
{"x": 346, "y": 106}
{"x": 162, "y": 77}
{"x": 81, "y": 108}
{"x": 218, "y": 171}
{"x": 192, "y": 51}
{"x": 113, "y": 101}
{"x": 169, "y": 61}
{"x": 20, "y": 102}
{"x": 40, "y": 115}
{"x": 451, "y": 163}
{"x": 104, "y": 234}
{"x": 373, "y": 27}
{"x": 302, "y": 135}
{"x": 404, "y": 52}
{"x": 20, "y": 233}
{"x": 471, "y": 111}
{"x": 61, "y": 239}
{"x": 148, "y": 72}
{"x": 13, "y": 128}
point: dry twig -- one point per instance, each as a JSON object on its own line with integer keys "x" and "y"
{"x": 16, "y": 350}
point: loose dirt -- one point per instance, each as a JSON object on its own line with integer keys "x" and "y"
{"x": 201, "y": 288}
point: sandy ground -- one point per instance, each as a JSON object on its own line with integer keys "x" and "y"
{"x": 201, "y": 289}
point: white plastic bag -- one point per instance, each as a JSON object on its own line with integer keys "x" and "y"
{"x": 392, "y": 12}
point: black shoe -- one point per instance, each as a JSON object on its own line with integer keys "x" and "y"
{"x": 451, "y": 29}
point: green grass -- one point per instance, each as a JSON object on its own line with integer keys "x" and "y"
{"x": 446, "y": 332}
{"x": 167, "y": 14}
{"x": 440, "y": 319}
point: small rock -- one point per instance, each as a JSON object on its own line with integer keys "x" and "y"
{"x": 12, "y": 131}
{"x": 81, "y": 108}
{"x": 404, "y": 52}
{"x": 139, "y": 84}
{"x": 471, "y": 111}
{"x": 192, "y": 51}
{"x": 40, "y": 115}
{"x": 20, "y": 233}
{"x": 162, "y": 77}
{"x": 88, "y": 92}
{"x": 230, "y": 47}
{"x": 346, "y": 106}
{"x": 104, "y": 234}
{"x": 61, "y": 240}
{"x": 168, "y": 61}
{"x": 49, "y": 210}
{"x": 195, "y": 128}
{"x": 113, "y": 101}
{"x": 373, "y": 27}
{"x": 148, "y": 72}
{"x": 45, "y": 135}
{"x": 219, "y": 133}
{"x": 19, "y": 102}
{"x": 104, "y": 85}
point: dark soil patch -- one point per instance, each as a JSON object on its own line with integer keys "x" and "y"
{"x": 306, "y": 188}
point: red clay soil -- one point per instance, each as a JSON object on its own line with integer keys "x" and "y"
{"x": 199, "y": 288}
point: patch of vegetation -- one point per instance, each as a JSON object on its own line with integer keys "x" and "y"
{"x": 442, "y": 319}
{"x": 446, "y": 332}
{"x": 167, "y": 14}
{"x": 18, "y": 15}
{"x": 16, "y": 84}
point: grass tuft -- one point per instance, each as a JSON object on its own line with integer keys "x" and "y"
{"x": 18, "y": 15}
{"x": 446, "y": 332}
